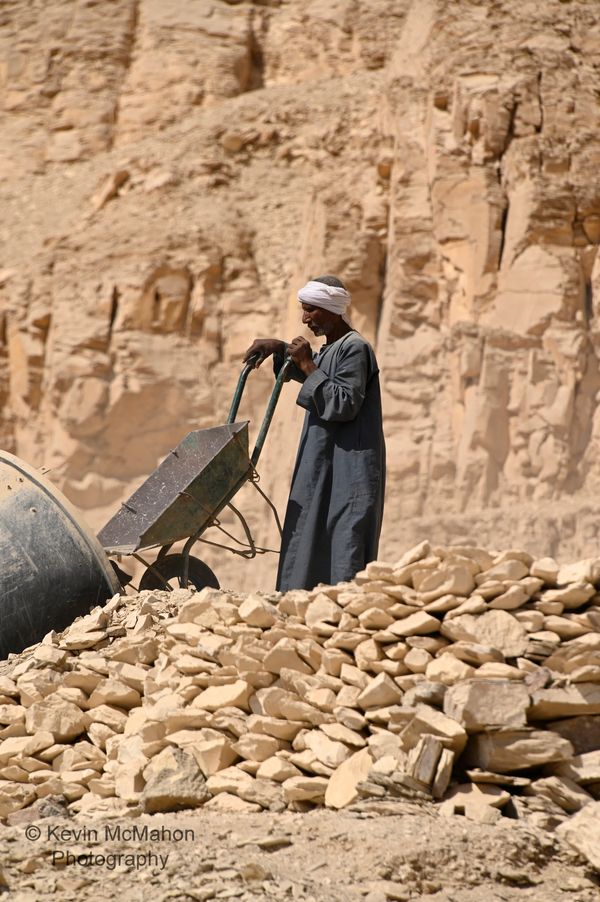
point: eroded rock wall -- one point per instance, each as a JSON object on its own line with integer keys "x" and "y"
{"x": 170, "y": 171}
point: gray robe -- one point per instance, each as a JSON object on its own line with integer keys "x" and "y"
{"x": 335, "y": 508}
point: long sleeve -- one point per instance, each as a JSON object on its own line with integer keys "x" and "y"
{"x": 338, "y": 397}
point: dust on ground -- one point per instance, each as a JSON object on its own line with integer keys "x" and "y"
{"x": 319, "y": 856}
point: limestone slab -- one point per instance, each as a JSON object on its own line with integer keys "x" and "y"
{"x": 516, "y": 750}
{"x": 582, "y": 831}
{"x": 342, "y": 786}
{"x": 487, "y": 704}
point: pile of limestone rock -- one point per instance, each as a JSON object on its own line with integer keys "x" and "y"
{"x": 455, "y": 675}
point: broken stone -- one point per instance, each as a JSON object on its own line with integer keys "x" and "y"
{"x": 273, "y": 726}
{"x": 583, "y": 698}
{"x": 443, "y": 773}
{"x": 507, "y": 569}
{"x": 581, "y": 832}
{"x": 265, "y": 793}
{"x": 305, "y": 789}
{"x": 417, "y": 553}
{"x": 114, "y": 692}
{"x": 448, "y": 669}
{"x": 277, "y": 769}
{"x": 583, "y": 732}
{"x": 531, "y": 620}
{"x": 284, "y": 655}
{"x": 545, "y": 568}
{"x": 417, "y": 624}
{"x": 212, "y": 755}
{"x": 234, "y": 694}
{"x": 375, "y": 619}
{"x": 572, "y": 596}
{"x": 21, "y": 746}
{"x": 565, "y": 628}
{"x": 581, "y": 768}
{"x": 307, "y": 761}
{"x": 10, "y": 714}
{"x": 498, "y": 629}
{"x": 352, "y": 676}
{"x": 472, "y": 799}
{"x": 485, "y": 776}
{"x": 587, "y": 570}
{"x": 230, "y": 780}
{"x": 323, "y": 699}
{"x": 513, "y": 598}
{"x": 562, "y": 791}
{"x": 495, "y": 671}
{"x": 322, "y": 609}
{"x": 326, "y": 750}
{"x": 109, "y": 715}
{"x": 417, "y": 660}
{"x": 256, "y": 611}
{"x": 365, "y": 655}
{"x": 423, "y": 759}
{"x": 515, "y": 750}
{"x": 425, "y": 692}
{"x": 487, "y": 704}
{"x": 428, "y": 720}
{"x": 342, "y": 787}
{"x": 350, "y": 718}
{"x": 173, "y": 781}
{"x": 452, "y": 580}
{"x": 256, "y": 747}
{"x": 14, "y": 796}
{"x": 381, "y": 691}
{"x": 474, "y": 654}
{"x": 340, "y": 733}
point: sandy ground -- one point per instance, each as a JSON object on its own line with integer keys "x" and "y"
{"x": 320, "y": 856}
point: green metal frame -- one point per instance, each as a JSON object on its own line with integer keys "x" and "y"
{"x": 237, "y": 397}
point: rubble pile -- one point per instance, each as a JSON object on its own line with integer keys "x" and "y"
{"x": 455, "y": 675}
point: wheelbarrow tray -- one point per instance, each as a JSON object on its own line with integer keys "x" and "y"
{"x": 185, "y": 492}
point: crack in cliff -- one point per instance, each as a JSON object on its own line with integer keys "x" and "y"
{"x": 130, "y": 41}
{"x": 382, "y": 274}
{"x": 588, "y": 301}
{"x": 503, "y": 227}
{"x": 539, "y": 128}
{"x": 114, "y": 310}
{"x": 256, "y": 79}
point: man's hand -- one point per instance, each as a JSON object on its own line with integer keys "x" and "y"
{"x": 261, "y": 348}
{"x": 301, "y": 353}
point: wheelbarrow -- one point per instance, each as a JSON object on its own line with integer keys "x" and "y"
{"x": 186, "y": 493}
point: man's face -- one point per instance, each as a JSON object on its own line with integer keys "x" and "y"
{"x": 319, "y": 321}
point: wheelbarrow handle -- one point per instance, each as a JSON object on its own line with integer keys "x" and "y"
{"x": 239, "y": 389}
{"x": 264, "y": 428}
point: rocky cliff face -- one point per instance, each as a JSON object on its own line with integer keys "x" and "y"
{"x": 171, "y": 171}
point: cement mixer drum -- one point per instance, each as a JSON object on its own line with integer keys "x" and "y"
{"x": 52, "y": 567}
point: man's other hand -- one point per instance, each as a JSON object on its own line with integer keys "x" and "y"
{"x": 301, "y": 353}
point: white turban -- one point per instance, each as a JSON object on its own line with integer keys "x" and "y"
{"x": 329, "y": 297}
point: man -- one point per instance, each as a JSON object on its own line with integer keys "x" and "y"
{"x": 335, "y": 508}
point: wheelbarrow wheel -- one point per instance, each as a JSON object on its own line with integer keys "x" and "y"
{"x": 171, "y": 567}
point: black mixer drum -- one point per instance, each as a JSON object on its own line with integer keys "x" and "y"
{"x": 52, "y": 567}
